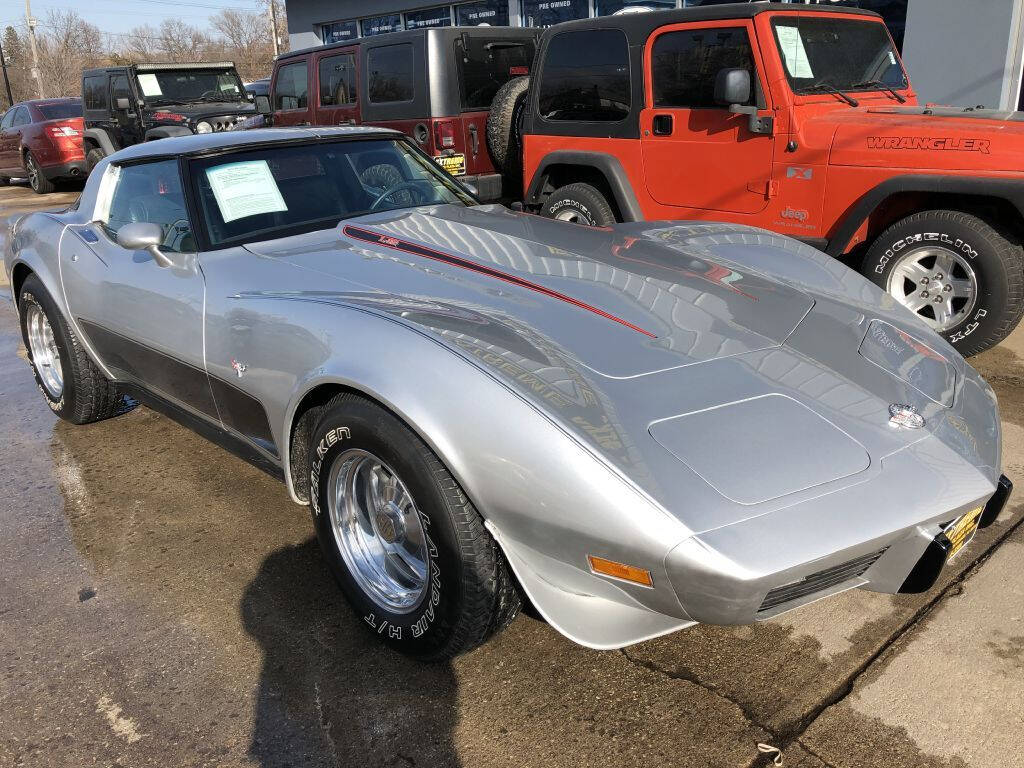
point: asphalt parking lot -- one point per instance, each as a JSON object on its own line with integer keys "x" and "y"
{"x": 163, "y": 603}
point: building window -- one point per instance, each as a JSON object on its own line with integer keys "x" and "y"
{"x": 390, "y": 73}
{"x": 378, "y": 25}
{"x": 291, "y": 89}
{"x": 608, "y": 7}
{"x": 684, "y": 65}
{"x": 338, "y": 31}
{"x": 586, "y": 77}
{"x": 491, "y": 12}
{"x": 429, "y": 17}
{"x": 544, "y": 13}
{"x": 338, "y": 80}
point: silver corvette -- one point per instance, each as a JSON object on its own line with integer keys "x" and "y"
{"x": 635, "y": 428}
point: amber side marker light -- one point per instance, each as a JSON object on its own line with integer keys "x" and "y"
{"x": 622, "y": 571}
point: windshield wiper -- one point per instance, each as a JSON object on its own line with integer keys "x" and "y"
{"x": 882, "y": 87}
{"x": 831, "y": 89}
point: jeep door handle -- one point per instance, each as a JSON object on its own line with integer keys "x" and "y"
{"x": 473, "y": 138}
{"x": 661, "y": 125}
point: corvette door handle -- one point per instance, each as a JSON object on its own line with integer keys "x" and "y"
{"x": 662, "y": 125}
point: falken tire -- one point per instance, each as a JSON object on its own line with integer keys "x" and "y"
{"x": 579, "y": 203}
{"x": 87, "y": 394}
{"x": 469, "y": 593}
{"x": 503, "y": 139}
{"x": 995, "y": 256}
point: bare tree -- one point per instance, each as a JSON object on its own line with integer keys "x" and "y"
{"x": 247, "y": 41}
{"x": 68, "y": 45}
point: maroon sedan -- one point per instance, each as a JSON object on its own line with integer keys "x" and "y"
{"x": 42, "y": 140}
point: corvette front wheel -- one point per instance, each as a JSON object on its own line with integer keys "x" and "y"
{"x": 407, "y": 547}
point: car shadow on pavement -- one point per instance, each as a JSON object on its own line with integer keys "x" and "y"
{"x": 329, "y": 694}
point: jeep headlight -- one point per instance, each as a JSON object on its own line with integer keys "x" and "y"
{"x": 203, "y": 127}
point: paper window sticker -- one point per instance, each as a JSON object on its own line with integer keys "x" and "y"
{"x": 105, "y": 194}
{"x": 792, "y": 45}
{"x": 150, "y": 85}
{"x": 244, "y": 189}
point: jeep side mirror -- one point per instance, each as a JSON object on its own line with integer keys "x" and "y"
{"x": 263, "y": 105}
{"x": 733, "y": 91}
{"x": 144, "y": 236}
{"x": 732, "y": 86}
{"x": 123, "y": 103}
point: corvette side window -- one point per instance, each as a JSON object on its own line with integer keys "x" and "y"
{"x": 151, "y": 192}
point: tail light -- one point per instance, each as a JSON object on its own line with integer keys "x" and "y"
{"x": 63, "y": 131}
{"x": 444, "y": 134}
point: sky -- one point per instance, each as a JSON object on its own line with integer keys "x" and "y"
{"x": 116, "y": 16}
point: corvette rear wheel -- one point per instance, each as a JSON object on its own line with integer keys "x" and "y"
{"x": 407, "y": 547}
{"x": 73, "y": 386}
{"x": 957, "y": 272}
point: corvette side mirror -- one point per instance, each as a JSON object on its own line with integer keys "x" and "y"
{"x": 144, "y": 236}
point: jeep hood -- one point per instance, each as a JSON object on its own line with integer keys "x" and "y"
{"x": 927, "y": 138}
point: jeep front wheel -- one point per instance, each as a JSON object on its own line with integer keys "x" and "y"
{"x": 580, "y": 204}
{"x": 956, "y": 272}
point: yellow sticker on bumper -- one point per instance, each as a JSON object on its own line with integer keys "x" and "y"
{"x": 454, "y": 164}
{"x": 962, "y": 531}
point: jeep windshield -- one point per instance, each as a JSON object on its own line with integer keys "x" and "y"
{"x": 830, "y": 54}
{"x": 486, "y": 64}
{"x": 282, "y": 190}
{"x": 191, "y": 86}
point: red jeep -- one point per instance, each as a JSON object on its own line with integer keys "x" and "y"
{"x": 436, "y": 85}
{"x": 795, "y": 119}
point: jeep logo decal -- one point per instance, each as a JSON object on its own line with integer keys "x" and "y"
{"x": 925, "y": 142}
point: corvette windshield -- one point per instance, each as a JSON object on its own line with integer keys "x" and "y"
{"x": 284, "y": 190}
{"x": 826, "y": 54}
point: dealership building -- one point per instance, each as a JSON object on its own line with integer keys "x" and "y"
{"x": 965, "y": 52}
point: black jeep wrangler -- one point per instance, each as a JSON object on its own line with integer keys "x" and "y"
{"x": 141, "y": 102}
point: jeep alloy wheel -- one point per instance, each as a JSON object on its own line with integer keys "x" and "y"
{"x": 936, "y": 284}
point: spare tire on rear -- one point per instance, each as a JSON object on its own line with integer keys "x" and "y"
{"x": 503, "y": 125}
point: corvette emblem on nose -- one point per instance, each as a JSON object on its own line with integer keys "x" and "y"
{"x": 905, "y": 416}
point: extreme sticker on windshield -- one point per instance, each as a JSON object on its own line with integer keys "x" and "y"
{"x": 792, "y": 46}
{"x": 245, "y": 189}
{"x": 150, "y": 85}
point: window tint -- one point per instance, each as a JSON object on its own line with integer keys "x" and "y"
{"x": 338, "y": 80}
{"x": 291, "y": 89}
{"x": 8, "y": 118}
{"x": 486, "y": 64}
{"x": 390, "y": 73}
{"x": 94, "y": 92}
{"x": 684, "y": 65}
{"x": 21, "y": 117}
{"x": 151, "y": 192}
{"x": 119, "y": 89}
{"x": 586, "y": 77}
{"x": 339, "y": 31}
{"x": 60, "y": 110}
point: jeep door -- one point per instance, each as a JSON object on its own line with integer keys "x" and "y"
{"x": 289, "y": 93}
{"x": 143, "y": 320}
{"x": 696, "y": 153}
{"x": 124, "y": 124}
{"x": 337, "y": 100}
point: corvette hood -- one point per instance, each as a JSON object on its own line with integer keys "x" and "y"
{"x": 622, "y": 305}
{"x": 926, "y": 138}
{"x": 741, "y": 359}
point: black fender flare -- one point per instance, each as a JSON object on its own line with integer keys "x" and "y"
{"x": 1011, "y": 190}
{"x": 166, "y": 131}
{"x": 608, "y": 165}
{"x": 102, "y": 138}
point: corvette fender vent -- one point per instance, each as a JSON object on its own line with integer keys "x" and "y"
{"x": 819, "y": 581}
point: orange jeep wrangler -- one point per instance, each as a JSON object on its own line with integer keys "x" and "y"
{"x": 796, "y": 120}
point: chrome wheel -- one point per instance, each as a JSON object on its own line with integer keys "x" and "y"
{"x": 935, "y": 283}
{"x": 33, "y": 171}
{"x": 378, "y": 531}
{"x": 44, "y": 352}
{"x": 573, "y": 216}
